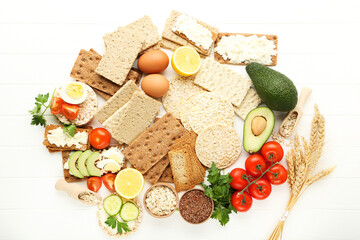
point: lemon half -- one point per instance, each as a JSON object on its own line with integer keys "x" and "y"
{"x": 129, "y": 183}
{"x": 185, "y": 61}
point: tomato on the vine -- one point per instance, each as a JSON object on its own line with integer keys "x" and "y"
{"x": 272, "y": 151}
{"x": 239, "y": 178}
{"x": 260, "y": 189}
{"x": 241, "y": 201}
{"x": 276, "y": 175}
{"x": 255, "y": 165}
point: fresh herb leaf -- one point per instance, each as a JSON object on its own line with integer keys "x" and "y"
{"x": 37, "y": 113}
{"x": 120, "y": 226}
{"x": 42, "y": 98}
{"x": 70, "y": 129}
{"x": 38, "y": 120}
{"x": 111, "y": 222}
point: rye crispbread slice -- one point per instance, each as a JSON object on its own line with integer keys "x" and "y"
{"x": 54, "y": 148}
{"x": 219, "y": 78}
{"x": 167, "y": 175}
{"x": 127, "y": 123}
{"x": 220, "y": 59}
{"x": 251, "y": 101}
{"x": 122, "y": 96}
{"x": 181, "y": 167}
{"x": 103, "y": 94}
{"x": 153, "y": 144}
{"x": 170, "y": 35}
{"x": 153, "y": 174}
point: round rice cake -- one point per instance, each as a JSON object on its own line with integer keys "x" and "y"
{"x": 180, "y": 89}
{"x": 219, "y": 144}
{"x": 208, "y": 108}
{"x": 87, "y": 109}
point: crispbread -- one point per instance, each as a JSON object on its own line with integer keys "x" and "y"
{"x": 167, "y": 175}
{"x": 153, "y": 144}
{"x": 54, "y": 148}
{"x": 180, "y": 89}
{"x": 170, "y": 35}
{"x": 251, "y": 101}
{"x": 164, "y": 43}
{"x": 103, "y": 94}
{"x": 128, "y": 123}
{"x": 218, "y": 78}
{"x": 219, "y": 144}
{"x": 208, "y": 108}
{"x": 153, "y": 174}
{"x": 120, "y": 55}
{"x": 157, "y": 46}
{"x": 117, "y": 101}
{"x": 220, "y": 59}
{"x": 144, "y": 29}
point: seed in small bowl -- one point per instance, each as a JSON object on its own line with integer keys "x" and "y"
{"x": 161, "y": 200}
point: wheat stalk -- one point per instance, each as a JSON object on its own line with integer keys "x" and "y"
{"x": 291, "y": 170}
{"x": 319, "y": 176}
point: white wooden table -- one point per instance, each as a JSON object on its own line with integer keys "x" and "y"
{"x": 318, "y": 47}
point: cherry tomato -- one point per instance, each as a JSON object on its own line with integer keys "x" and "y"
{"x": 260, "y": 189}
{"x": 94, "y": 184}
{"x": 70, "y": 111}
{"x": 239, "y": 178}
{"x": 56, "y": 105}
{"x": 241, "y": 201}
{"x": 255, "y": 165}
{"x": 276, "y": 175}
{"x": 108, "y": 180}
{"x": 272, "y": 151}
{"x": 100, "y": 138}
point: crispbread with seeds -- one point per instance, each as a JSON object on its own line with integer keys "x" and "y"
{"x": 127, "y": 123}
{"x": 167, "y": 175}
{"x": 170, "y": 35}
{"x": 208, "y": 108}
{"x": 218, "y": 78}
{"x": 153, "y": 174}
{"x": 117, "y": 101}
{"x": 220, "y": 59}
{"x": 164, "y": 43}
{"x": 153, "y": 144}
{"x": 103, "y": 94}
{"x": 180, "y": 89}
{"x": 219, "y": 144}
{"x": 251, "y": 101}
{"x": 54, "y": 148}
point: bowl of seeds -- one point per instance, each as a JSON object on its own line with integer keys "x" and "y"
{"x": 195, "y": 207}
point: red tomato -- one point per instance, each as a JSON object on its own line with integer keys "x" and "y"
{"x": 108, "y": 180}
{"x": 94, "y": 184}
{"x": 255, "y": 165}
{"x": 100, "y": 138}
{"x": 260, "y": 189}
{"x": 70, "y": 111}
{"x": 272, "y": 152}
{"x": 56, "y": 105}
{"x": 241, "y": 201}
{"x": 239, "y": 178}
{"x": 276, "y": 175}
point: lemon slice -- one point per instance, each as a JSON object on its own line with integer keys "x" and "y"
{"x": 129, "y": 183}
{"x": 185, "y": 61}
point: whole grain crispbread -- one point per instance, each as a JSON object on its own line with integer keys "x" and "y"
{"x": 220, "y": 59}
{"x": 218, "y": 78}
{"x": 117, "y": 101}
{"x": 167, "y": 44}
{"x": 153, "y": 144}
{"x": 251, "y": 101}
{"x": 167, "y": 175}
{"x": 103, "y": 94}
{"x": 153, "y": 174}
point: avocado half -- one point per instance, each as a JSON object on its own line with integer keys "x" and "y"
{"x": 258, "y": 126}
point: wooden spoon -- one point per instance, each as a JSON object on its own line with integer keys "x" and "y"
{"x": 75, "y": 191}
{"x": 297, "y": 111}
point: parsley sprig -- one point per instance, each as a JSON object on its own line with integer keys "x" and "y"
{"x": 220, "y": 191}
{"x": 38, "y": 112}
{"x": 70, "y": 129}
{"x": 120, "y": 226}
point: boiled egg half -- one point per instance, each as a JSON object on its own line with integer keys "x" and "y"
{"x": 111, "y": 160}
{"x": 73, "y": 93}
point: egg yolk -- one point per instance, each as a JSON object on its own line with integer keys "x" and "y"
{"x": 74, "y": 91}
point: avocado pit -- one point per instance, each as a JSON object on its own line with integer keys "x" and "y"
{"x": 258, "y": 125}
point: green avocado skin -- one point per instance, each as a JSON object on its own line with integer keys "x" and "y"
{"x": 275, "y": 89}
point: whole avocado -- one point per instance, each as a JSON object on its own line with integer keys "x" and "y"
{"x": 275, "y": 89}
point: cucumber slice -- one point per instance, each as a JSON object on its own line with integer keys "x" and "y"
{"x": 112, "y": 204}
{"x": 129, "y": 212}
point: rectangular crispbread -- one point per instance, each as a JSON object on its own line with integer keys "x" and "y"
{"x": 167, "y": 44}
{"x": 167, "y": 175}
{"x": 170, "y": 35}
{"x": 153, "y": 174}
{"x": 103, "y": 94}
{"x": 54, "y": 148}
{"x": 220, "y": 59}
{"x": 218, "y": 78}
{"x": 251, "y": 101}
{"x": 181, "y": 167}
{"x": 122, "y": 96}
{"x": 127, "y": 123}
{"x": 153, "y": 144}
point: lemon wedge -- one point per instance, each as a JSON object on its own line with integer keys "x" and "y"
{"x": 185, "y": 61}
{"x": 129, "y": 183}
